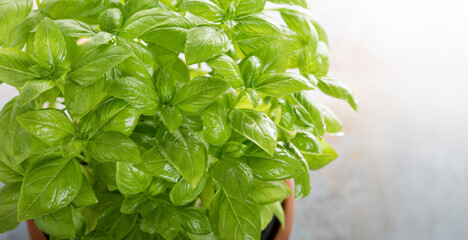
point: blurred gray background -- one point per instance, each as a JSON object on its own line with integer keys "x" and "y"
{"x": 403, "y": 167}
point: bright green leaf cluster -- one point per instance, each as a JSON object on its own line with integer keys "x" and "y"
{"x": 139, "y": 119}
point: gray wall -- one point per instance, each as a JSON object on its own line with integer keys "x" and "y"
{"x": 403, "y": 170}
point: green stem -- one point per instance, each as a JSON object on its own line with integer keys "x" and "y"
{"x": 38, "y": 2}
{"x": 239, "y": 97}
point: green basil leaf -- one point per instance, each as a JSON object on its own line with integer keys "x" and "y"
{"x": 86, "y": 196}
{"x": 197, "y": 49}
{"x": 107, "y": 171}
{"x": 193, "y": 122}
{"x": 80, "y": 100}
{"x": 274, "y": 56}
{"x": 152, "y": 162}
{"x": 70, "y": 147}
{"x": 252, "y": 32}
{"x": 301, "y": 182}
{"x": 144, "y": 142}
{"x": 25, "y": 145}
{"x": 227, "y": 68}
{"x": 111, "y": 115}
{"x": 49, "y": 45}
{"x": 185, "y": 152}
{"x": 195, "y": 220}
{"x": 320, "y": 62}
{"x": 99, "y": 235}
{"x": 32, "y": 89}
{"x": 288, "y": 115}
{"x": 75, "y": 28}
{"x": 332, "y": 123}
{"x": 208, "y": 192}
{"x": 253, "y": 96}
{"x": 130, "y": 180}
{"x": 113, "y": 147}
{"x": 18, "y": 36}
{"x": 136, "y": 92}
{"x": 306, "y": 142}
{"x": 133, "y": 203}
{"x": 141, "y": 63}
{"x": 79, "y": 223}
{"x": 157, "y": 186}
{"x": 182, "y": 193}
{"x": 282, "y": 84}
{"x": 164, "y": 56}
{"x": 233, "y": 219}
{"x": 9, "y": 124}
{"x": 300, "y": 21}
{"x": 318, "y": 160}
{"x": 171, "y": 117}
{"x": 337, "y": 89}
{"x": 252, "y": 69}
{"x": 58, "y": 224}
{"x": 268, "y": 192}
{"x": 198, "y": 93}
{"x": 50, "y": 184}
{"x": 171, "y": 36}
{"x": 309, "y": 111}
{"x": 75, "y": 9}
{"x": 15, "y": 67}
{"x": 150, "y": 19}
{"x": 216, "y": 128}
{"x": 250, "y": 6}
{"x": 49, "y": 125}
{"x": 302, "y": 3}
{"x": 234, "y": 149}
{"x": 117, "y": 224}
{"x": 234, "y": 176}
{"x": 266, "y": 214}
{"x": 255, "y": 126}
{"x": 9, "y": 170}
{"x": 279, "y": 212}
{"x": 134, "y": 6}
{"x": 166, "y": 85}
{"x": 137, "y": 234}
{"x": 13, "y": 12}
{"x": 110, "y": 20}
{"x": 163, "y": 217}
{"x": 180, "y": 71}
{"x": 202, "y": 8}
{"x": 9, "y": 195}
{"x": 99, "y": 39}
{"x": 95, "y": 62}
{"x": 282, "y": 165}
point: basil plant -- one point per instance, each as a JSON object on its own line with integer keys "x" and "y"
{"x": 179, "y": 119}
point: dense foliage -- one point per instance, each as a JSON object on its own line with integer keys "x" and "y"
{"x": 171, "y": 119}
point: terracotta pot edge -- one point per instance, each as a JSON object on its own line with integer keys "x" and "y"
{"x": 289, "y": 206}
{"x": 34, "y": 232}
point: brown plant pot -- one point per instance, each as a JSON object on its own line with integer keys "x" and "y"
{"x": 288, "y": 205}
{"x": 34, "y": 232}
{"x": 281, "y": 234}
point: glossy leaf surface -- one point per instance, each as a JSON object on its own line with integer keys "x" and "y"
{"x": 49, "y": 125}
{"x": 113, "y": 147}
{"x": 255, "y": 126}
{"x": 198, "y": 93}
{"x": 51, "y": 183}
{"x": 185, "y": 152}
{"x": 233, "y": 219}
